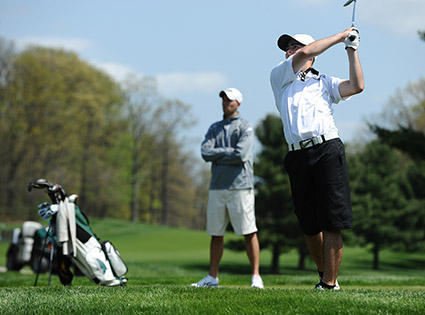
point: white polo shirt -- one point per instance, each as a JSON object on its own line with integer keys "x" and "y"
{"x": 304, "y": 103}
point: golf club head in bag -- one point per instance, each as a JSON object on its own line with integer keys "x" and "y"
{"x": 57, "y": 194}
{"x": 46, "y": 210}
{"x": 39, "y": 183}
{"x": 55, "y": 191}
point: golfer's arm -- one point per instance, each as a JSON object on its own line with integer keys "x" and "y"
{"x": 315, "y": 49}
{"x": 355, "y": 84}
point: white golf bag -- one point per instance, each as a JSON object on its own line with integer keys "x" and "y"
{"x": 102, "y": 267}
{"x": 76, "y": 242}
{"x": 94, "y": 263}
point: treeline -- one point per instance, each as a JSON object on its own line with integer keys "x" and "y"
{"x": 118, "y": 146}
{"x": 387, "y": 178}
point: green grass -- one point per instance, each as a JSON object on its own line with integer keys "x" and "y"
{"x": 166, "y": 299}
{"x": 164, "y": 261}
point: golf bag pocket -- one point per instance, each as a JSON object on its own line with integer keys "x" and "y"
{"x": 118, "y": 265}
{"x": 92, "y": 262}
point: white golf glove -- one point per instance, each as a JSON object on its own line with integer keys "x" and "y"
{"x": 353, "y": 39}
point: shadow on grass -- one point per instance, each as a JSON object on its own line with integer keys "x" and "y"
{"x": 415, "y": 264}
{"x": 236, "y": 269}
{"x": 243, "y": 269}
{"x": 386, "y": 265}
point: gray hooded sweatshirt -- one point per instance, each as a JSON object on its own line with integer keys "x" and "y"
{"x": 228, "y": 145}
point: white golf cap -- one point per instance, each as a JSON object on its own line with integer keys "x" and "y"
{"x": 232, "y": 94}
{"x": 304, "y": 39}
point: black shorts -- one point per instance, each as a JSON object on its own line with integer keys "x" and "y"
{"x": 320, "y": 188}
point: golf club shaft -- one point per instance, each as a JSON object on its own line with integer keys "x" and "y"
{"x": 354, "y": 13}
{"x": 41, "y": 254}
{"x": 51, "y": 262}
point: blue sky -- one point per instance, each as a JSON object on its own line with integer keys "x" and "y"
{"x": 197, "y": 48}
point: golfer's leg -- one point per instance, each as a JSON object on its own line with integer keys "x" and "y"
{"x": 216, "y": 252}
{"x": 332, "y": 255}
{"x": 253, "y": 252}
{"x": 315, "y": 246}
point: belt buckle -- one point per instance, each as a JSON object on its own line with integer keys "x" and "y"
{"x": 306, "y": 143}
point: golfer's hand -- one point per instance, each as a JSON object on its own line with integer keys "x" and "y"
{"x": 353, "y": 39}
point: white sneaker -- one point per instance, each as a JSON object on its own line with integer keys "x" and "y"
{"x": 257, "y": 282}
{"x": 337, "y": 287}
{"x": 207, "y": 281}
{"x": 323, "y": 286}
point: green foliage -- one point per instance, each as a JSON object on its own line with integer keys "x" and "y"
{"x": 117, "y": 147}
{"x": 59, "y": 117}
{"x": 377, "y": 198}
{"x": 421, "y": 35}
{"x": 405, "y": 139}
{"x": 403, "y": 121}
{"x": 278, "y": 227}
{"x": 406, "y": 132}
{"x": 416, "y": 177}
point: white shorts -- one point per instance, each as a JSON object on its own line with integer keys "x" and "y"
{"x": 236, "y": 206}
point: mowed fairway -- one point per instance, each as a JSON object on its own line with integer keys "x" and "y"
{"x": 164, "y": 261}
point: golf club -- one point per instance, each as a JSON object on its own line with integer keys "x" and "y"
{"x": 354, "y": 13}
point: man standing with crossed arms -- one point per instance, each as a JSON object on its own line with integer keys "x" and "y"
{"x": 228, "y": 146}
{"x": 316, "y": 159}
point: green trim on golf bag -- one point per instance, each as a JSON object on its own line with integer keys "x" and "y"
{"x": 82, "y": 221}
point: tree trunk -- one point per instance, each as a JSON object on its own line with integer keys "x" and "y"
{"x": 10, "y": 189}
{"x": 164, "y": 186}
{"x": 376, "y": 256}
{"x": 84, "y": 167}
{"x": 135, "y": 199}
{"x": 135, "y": 184}
{"x": 15, "y": 162}
{"x": 153, "y": 191}
{"x": 83, "y": 178}
{"x": 275, "y": 258}
{"x": 302, "y": 256}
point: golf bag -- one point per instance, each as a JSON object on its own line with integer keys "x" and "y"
{"x": 74, "y": 241}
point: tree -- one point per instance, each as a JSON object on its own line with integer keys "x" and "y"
{"x": 97, "y": 117}
{"x": 403, "y": 121}
{"x": 141, "y": 97}
{"x": 163, "y": 189}
{"x": 422, "y": 35}
{"x": 202, "y": 177}
{"x": 31, "y": 106}
{"x": 277, "y": 224}
{"x": 377, "y": 196}
{"x": 405, "y": 139}
{"x": 171, "y": 118}
{"x": 7, "y": 52}
{"x": 117, "y": 147}
{"x": 58, "y": 118}
{"x": 403, "y": 127}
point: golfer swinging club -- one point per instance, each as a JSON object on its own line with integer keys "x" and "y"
{"x": 316, "y": 159}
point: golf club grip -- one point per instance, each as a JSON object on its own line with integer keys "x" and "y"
{"x": 352, "y": 37}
